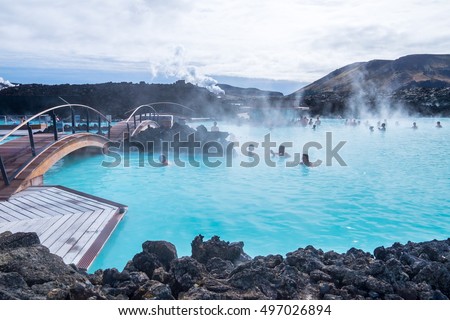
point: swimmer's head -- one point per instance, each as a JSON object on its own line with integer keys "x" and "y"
{"x": 281, "y": 150}
{"x": 163, "y": 159}
{"x": 305, "y": 159}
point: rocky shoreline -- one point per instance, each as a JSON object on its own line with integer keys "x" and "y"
{"x": 221, "y": 270}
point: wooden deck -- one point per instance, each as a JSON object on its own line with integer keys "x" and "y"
{"x": 71, "y": 224}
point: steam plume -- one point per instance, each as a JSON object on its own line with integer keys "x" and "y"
{"x": 5, "y": 83}
{"x": 177, "y": 67}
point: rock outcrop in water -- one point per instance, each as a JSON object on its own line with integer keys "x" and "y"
{"x": 221, "y": 270}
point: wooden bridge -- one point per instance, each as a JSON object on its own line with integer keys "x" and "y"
{"x": 140, "y": 118}
{"x": 71, "y": 224}
{"x": 24, "y": 160}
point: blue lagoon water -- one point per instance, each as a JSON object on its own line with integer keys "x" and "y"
{"x": 395, "y": 187}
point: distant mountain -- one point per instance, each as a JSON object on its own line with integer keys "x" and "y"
{"x": 421, "y": 82}
{"x": 421, "y": 70}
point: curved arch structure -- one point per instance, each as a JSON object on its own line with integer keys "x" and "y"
{"x": 72, "y": 105}
{"x": 143, "y": 125}
{"x": 31, "y": 172}
{"x": 150, "y": 105}
{"x": 131, "y": 126}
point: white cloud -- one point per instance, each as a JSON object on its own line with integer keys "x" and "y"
{"x": 292, "y": 40}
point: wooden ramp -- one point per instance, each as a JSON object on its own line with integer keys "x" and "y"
{"x": 71, "y": 224}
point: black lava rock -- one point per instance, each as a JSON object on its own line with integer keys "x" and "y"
{"x": 222, "y": 270}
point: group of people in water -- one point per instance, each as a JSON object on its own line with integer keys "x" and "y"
{"x": 283, "y": 154}
{"x": 438, "y": 125}
{"x": 305, "y": 122}
{"x": 382, "y": 126}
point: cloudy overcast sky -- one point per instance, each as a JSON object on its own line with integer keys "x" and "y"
{"x": 298, "y": 41}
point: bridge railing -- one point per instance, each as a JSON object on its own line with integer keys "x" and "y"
{"x": 139, "y": 112}
{"x": 142, "y": 111}
{"x": 26, "y": 123}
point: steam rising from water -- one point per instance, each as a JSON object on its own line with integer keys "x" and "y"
{"x": 369, "y": 100}
{"x": 177, "y": 67}
{"x": 5, "y": 83}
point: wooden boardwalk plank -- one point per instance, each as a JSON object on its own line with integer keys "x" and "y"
{"x": 53, "y": 228}
{"x": 73, "y": 200}
{"x": 90, "y": 235}
{"x": 16, "y": 211}
{"x": 29, "y": 206}
{"x": 46, "y": 224}
{"x": 62, "y": 234}
{"x": 85, "y": 258}
{"x": 20, "y": 225}
{"x": 71, "y": 224}
{"x": 4, "y": 213}
{"x": 34, "y": 202}
{"x": 78, "y": 234}
{"x": 8, "y": 225}
{"x": 74, "y": 197}
{"x": 56, "y": 204}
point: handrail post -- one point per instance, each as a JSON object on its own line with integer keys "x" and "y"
{"x": 3, "y": 170}
{"x": 134, "y": 118}
{"x": 55, "y": 130}
{"x": 140, "y": 117}
{"x": 73, "y": 119}
{"x": 109, "y": 129}
{"x": 30, "y": 135}
{"x": 99, "y": 125}
{"x": 87, "y": 121}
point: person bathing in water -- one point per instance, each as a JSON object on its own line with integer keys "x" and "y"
{"x": 415, "y": 126}
{"x": 214, "y": 128}
{"x": 438, "y": 124}
{"x": 306, "y": 162}
{"x": 251, "y": 150}
{"x": 281, "y": 152}
{"x": 163, "y": 160}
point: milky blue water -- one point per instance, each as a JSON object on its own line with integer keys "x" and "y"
{"x": 395, "y": 187}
